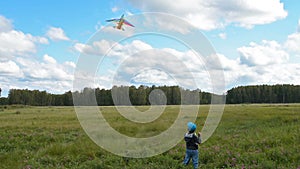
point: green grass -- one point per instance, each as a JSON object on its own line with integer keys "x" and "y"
{"x": 250, "y": 136}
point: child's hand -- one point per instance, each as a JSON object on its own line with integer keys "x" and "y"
{"x": 199, "y": 133}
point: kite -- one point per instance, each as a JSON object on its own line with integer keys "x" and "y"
{"x": 120, "y": 22}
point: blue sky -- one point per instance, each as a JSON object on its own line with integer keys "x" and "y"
{"x": 257, "y": 42}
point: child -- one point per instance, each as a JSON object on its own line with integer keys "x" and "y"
{"x": 192, "y": 142}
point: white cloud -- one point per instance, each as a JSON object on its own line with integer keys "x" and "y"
{"x": 123, "y": 51}
{"x": 138, "y": 62}
{"x": 264, "y": 63}
{"x": 104, "y": 47}
{"x": 40, "y": 40}
{"x": 47, "y": 70}
{"x": 114, "y": 9}
{"x": 128, "y": 13}
{"x": 226, "y": 63}
{"x": 237, "y": 73}
{"x": 83, "y": 48}
{"x": 118, "y": 54}
{"x": 152, "y": 77}
{"x": 19, "y": 69}
{"x": 14, "y": 43}
{"x": 5, "y": 24}
{"x": 293, "y": 41}
{"x": 70, "y": 64}
{"x": 269, "y": 74}
{"x": 57, "y": 34}
{"x": 49, "y": 59}
{"x": 266, "y": 53}
{"x": 222, "y": 35}
{"x": 98, "y": 26}
{"x": 166, "y": 22}
{"x": 131, "y": 48}
{"x": 298, "y": 29}
{"x": 96, "y": 48}
{"x": 213, "y": 14}
{"x": 31, "y": 73}
{"x": 279, "y": 74}
{"x": 10, "y": 68}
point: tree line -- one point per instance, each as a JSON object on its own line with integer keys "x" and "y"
{"x": 38, "y": 98}
{"x": 284, "y": 93}
{"x": 170, "y": 95}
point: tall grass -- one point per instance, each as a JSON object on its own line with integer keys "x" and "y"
{"x": 248, "y": 136}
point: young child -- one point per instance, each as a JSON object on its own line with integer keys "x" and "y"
{"x": 192, "y": 141}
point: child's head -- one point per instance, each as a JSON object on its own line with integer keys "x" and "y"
{"x": 191, "y": 127}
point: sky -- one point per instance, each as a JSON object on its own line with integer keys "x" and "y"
{"x": 43, "y": 42}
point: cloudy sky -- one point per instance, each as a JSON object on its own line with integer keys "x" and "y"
{"x": 41, "y": 42}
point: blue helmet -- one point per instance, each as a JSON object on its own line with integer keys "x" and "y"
{"x": 191, "y": 126}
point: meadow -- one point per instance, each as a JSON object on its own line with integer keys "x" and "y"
{"x": 248, "y": 136}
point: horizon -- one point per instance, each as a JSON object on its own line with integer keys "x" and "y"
{"x": 40, "y": 43}
{"x": 152, "y": 86}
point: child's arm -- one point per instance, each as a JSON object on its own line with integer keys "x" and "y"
{"x": 199, "y": 138}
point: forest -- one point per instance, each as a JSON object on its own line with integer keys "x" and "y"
{"x": 139, "y": 95}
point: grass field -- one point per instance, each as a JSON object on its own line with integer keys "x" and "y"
{"x": 248, "y": 136}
